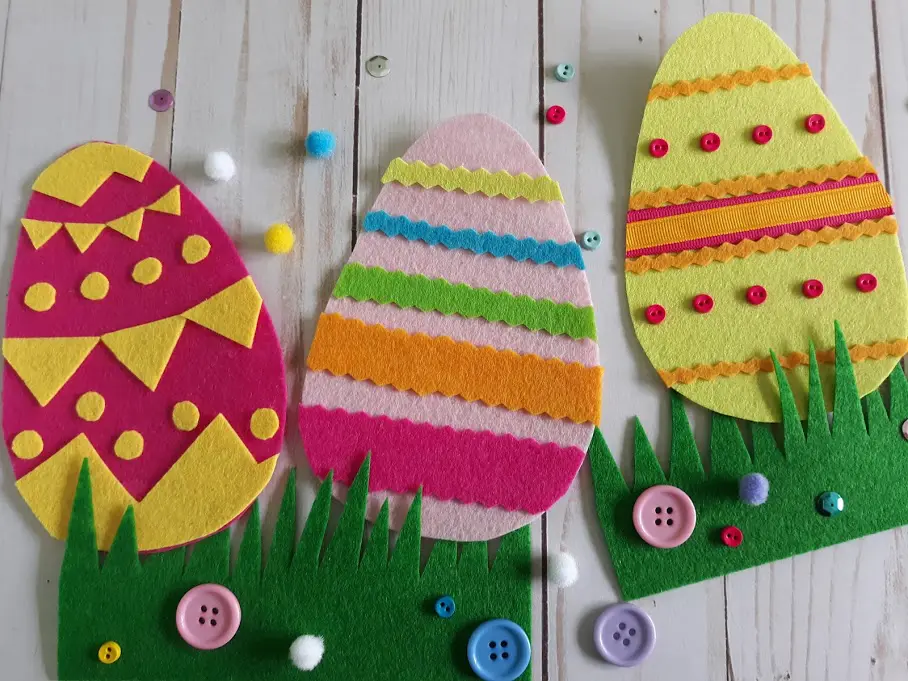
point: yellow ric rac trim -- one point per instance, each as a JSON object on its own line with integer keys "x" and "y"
{"x": 502, "y": 183}
{"x": 744, "y": 217}
{"x": 727, "y": 81}
{"x": 748, "y": 184}
{"x": 746, "y": 248}
{"x": 710, "y": 372}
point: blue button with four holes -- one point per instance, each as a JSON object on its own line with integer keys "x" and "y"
{"x": 499, "y": 650}
{"x": 444, "y": 607}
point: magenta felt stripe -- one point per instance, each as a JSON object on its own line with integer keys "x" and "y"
{"x": 460, "y": 465}
{"x": 476, "y": 331}
{"x": 756, "y": 234}
{"x": 669, "y": 211}
{"x": 354, "y": 396}
{"x": 559, "y": 284}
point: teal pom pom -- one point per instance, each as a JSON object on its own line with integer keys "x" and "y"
{"x": 320, "y": 143}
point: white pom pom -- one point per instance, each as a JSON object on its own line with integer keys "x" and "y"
{"x": 219, "y": 166}
{"x": 306, "y": 652}
{"x": 563, "y": 570}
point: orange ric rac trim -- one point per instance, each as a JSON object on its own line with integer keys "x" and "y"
{"x": 710, "y": 372}
{"x": 727, "y": 81}
{"x": 748, "y": 184}
{"x": 745, "y": 249}
{"x": 745, "y": 217}
{"x": 426, "y": 364}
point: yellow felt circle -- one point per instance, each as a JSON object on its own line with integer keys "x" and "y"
{"x": 129, "y": 445}
{"x": 109, "y": 652}
{"x": 40, "y": 297}
{"x": 279, "y": 238}
{"x": 27, "y": 444}
{"x": 185, "y": 416}
{"x": 264, "y": 423}
{"x": 95, "y": 286}
{"x": 90, "y": 406}
{"x": 147, "y": 271}
{"x": 195, "y": 249}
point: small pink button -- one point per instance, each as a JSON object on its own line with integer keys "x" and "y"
{"x": 655, "y": 314}
{"x": 865, "y": 282}
{"x": 664, "y": 516}
{"x": 762, "y": 134}
{"x": 702, "y": 303}
{"x": 814, "y": 123}
{"x": 710, "y": 141}
{"x": 658, "y": 148}
{"x": 208, "y": 616}
{"x": 555, "y": 114}
{"x": 812, "y": 288}
{"x": 756, "y": 295}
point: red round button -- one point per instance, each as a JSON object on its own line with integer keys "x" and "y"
{"x": 658, "y": 148}
{"x": 732, "y": 536}
{"x": 814, "y": 123}
{"x": 702, "y": 303}
{"x": 555, "y": 114}
{"x": 865, "y": 282}
{"x": 762, "y": 134}
{"x": 710, "y": 141}
{"x": 655, "y": 314}
{"x": 812, "y": 288}
{"x": 756, "y": 295}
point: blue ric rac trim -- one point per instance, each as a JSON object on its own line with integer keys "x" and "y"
{"x": 561, "y": 255}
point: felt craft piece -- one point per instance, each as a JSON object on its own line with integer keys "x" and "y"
{"x": 863, "y": 457}
{"x": 99, "y": 377}
{"x": 374, "y": 613}
{"x": 730, "y": 239}
{"x": 462, "y": 323}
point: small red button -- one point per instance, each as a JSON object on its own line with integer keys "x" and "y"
{"x": 555, "y": 114}
{"x": 812, "y": 288}
{"x": 756, "y": 295}
{"x": 762, "y": 134}
{"x": 703, "y": 303}
{"x": 655, "y": 314}
{"x": 710, "y": 141}
{"x": 732, "y": 536}
{"x": 866, "y": 282}
{"x": 658, "y": 148}
{"x": 814, "y": 123}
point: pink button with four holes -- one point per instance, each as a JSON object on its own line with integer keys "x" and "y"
{"x": 664, "y": 516}
{"x": 208, "y": 616}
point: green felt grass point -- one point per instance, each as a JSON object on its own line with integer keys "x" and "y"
{"x": 864, "y": 459}
{"x": 309, "y": 550}
{"x": 376, "y": 555}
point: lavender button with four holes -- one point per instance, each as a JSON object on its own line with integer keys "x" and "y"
{"x": 664, "y": 516}
{"x": 208, "y": 616}
{"x": 624, "y": 635}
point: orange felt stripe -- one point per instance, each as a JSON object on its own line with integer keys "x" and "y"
{"x": 727, "y": 81}
{"x": 744, "y": 249}
{"x": 759, "y": 215}
{"x": 426, "y": 364}
{"x": 749, "y": 184}
{"x": 710, "y": 372}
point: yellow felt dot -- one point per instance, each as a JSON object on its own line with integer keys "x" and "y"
{"x": 129, "y": 445}
{"x": 41, "y": 296}
{"x": 28, "y": 444}
{"x": 90, "y": 406}
{"x": 195, "y": 249}
{"x": 95, "y": 286}
{"x": 147, "y": 271}
{"x": 279, "y": 238}
{"x": 109, "y": 652}
{"x": 264, "y": 423}
{"x": 185, "y": 415}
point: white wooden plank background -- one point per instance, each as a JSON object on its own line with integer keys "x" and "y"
{"x": 254, "y": 77}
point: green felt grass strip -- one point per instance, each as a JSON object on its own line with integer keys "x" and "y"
{"x": 647, "y": 471}
{"x": 280, "y": 555}
{"x": 343, "y": 553}
{"x": 247, "y": 573}
{"x": 123, "y": 558}
{"x": 309, "y": 551}
{"x": 686, "y": 466}
{"x": 376, "y": 554}
{"x": 404, "y": 290}
{"x": 817, "y": 423}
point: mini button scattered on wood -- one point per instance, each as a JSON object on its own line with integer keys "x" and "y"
{"x": 378, "y": 66}
{"x": 658, "y": 148}
{"x": 590, "y": 240}
{"x": 710, "y": 142}
{"x": 160, "y": 101}
{"x": 564, "y": 72}
{"x": 555, "y": 114}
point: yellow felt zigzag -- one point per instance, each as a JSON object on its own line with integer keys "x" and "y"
{"x": 46, "y": 364}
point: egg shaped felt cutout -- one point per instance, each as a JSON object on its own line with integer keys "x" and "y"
{"x": 459, "y": 346}
{"x": 761, "y": 227}
{"x": 137, "y": 345}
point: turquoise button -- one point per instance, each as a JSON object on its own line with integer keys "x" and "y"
{"x": 564, "y": 72}
{"x": 590, "y": 240}
{"x": 444, "y": 607}
{"x": 830, "y": 504}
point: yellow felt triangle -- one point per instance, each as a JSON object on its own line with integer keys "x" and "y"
{"x": 46, "y": 364}
{"x": 232, "y": 313}
{"x": 83, "y": 233}
{"x": 169, "y": 203}
{"x": 146, "y": 349}
{"x": 130, "y": 224}
{"x": 39, "y": 231}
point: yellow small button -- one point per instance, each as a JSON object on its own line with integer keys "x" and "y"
{"x": 109, "y": 652}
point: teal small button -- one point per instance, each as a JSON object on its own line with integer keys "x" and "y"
{"x": 564, "y": 72}
{"x": 444, "y": 607}
{"x": 590, "y": 240}
{"x": 830, "y": 504}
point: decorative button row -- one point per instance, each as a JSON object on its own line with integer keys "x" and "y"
{"x": 761, "y": 134}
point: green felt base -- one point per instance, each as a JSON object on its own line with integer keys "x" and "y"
{"x": 375, "y": 614}
{"x": 864, "y": 458}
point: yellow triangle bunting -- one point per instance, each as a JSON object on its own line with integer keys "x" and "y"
{"x": 46, "y": 364}
{"x": 169, "y": 203}
{"x": 83, "y": 233}
{"x": 130, "y": 224}
{"x": 39, "y": 231}
{"x": 145, "y": 350}
{"x": 232, "y": 313}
